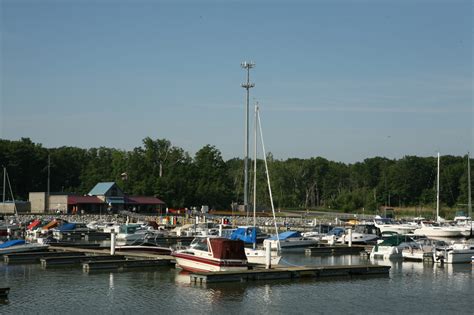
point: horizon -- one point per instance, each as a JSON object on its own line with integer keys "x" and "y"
{"x": 344, "y": 80}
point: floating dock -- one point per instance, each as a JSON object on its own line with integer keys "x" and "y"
{"x": 337, "y": 249}
{"x": 34, "y": 257}
{"x": 290, "y": 273}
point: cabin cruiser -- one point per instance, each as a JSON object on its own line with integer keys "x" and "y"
{"x": 333, "y": 235}
{"x": 392, "y": 247}
{"x": 288, "y": 240}
{"x": 361, "y": 234}
{"x": 455, "y": 253}
{"x": 318, "y": 232}
{"x": 20, "y": 246}
{"x": 212, "y": 254}
{"x": 133, "y": 232}
{"x": 422, "y": 249}
{"x": 436, "y": 229}
{"x": 388, "y": 225}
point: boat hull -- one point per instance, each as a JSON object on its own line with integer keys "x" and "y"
{"x": 194, "y": 263}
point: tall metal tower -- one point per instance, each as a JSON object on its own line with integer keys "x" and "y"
{"x": 247, "y": 65}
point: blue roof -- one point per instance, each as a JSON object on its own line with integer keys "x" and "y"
{"x": 101, "y": 189}
{"x": 285, "y": 235}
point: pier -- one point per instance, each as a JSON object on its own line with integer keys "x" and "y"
{"x": 337, "y": 249}
{"x": 316, "y": 272}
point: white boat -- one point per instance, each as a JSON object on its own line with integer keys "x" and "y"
{"x": 455, "y": 253}
{"x": 333, "y": 235}
{"x": 318, "y": 232}
{"x": 259, "y": 256}
{"x": 438, "y": 230}
{"x": 20, "y": 246}
{"x": 360, "y": 234}
{"x": 289, "y": 240}
{"x": 387, "y": 225}
{"x": 392, "y": 247}
{"x": 132, "y": 232}
{"x": 212, "y": 254}
{"x": 421, "y": 250}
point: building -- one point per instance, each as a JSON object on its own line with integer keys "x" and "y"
{"x": 105, "y": 197}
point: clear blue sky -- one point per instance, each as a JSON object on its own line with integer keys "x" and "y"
{"x": 345, "y": 80}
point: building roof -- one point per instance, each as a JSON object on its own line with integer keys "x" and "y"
{"x": 143, "y": 200}
{"x": 74, "y": 200}
{"x": 101, "y": 189}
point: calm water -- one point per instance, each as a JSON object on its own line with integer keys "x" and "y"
{"x": 410, "y": 288}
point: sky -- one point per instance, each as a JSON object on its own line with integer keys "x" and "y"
{"x": 345, "y": 80}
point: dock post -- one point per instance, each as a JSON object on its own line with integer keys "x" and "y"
{"x": 112, "y": 243}
{"x": 350, "y": 237}
{"x": 268, "y": 257}
{"x": 220, "y": 229}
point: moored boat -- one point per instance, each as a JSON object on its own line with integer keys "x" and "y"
{"x": 20, "y": 246}
{"x": 212, "y": 254}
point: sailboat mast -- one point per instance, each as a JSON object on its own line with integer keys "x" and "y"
{"x": 4, "y": 182}
{"x": 255, "y": 169}
{"x": 437, "y": 193}
{"x": 469, "y": 204}
{"x": 268, "y": 179}
{"x": 48, "y": 183}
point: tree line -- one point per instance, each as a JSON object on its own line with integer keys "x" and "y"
{"x": 158, "y": 168}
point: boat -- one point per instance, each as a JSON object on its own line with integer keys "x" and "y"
{"x": 455, "y": 253}
{"x": 318, "y": 232}
{"x": 288, "y": 240}
{"x": 436, "y": 229}
{"x": 212, "y": 254}
{"x": 423, "y": 249}
{"x": 331, "y": 236}
{"x": 388, "y": 225}
{"x": 132, "y": 232}
{"x": 361, "y": 234}
{"x": 254, "y": 255}
{"x": 20, "y": 246}
{"x": 392, "y": 247}
{"x": 144, "y": 248}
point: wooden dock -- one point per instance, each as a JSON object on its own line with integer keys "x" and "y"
{"x": 335, "y": 250}
{"x": 317, "y": 272}
{"x": 35, "y": 257}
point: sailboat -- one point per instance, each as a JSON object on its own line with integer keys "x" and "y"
{"x": 250, "y": 234}
{"x": 437, "y": 229}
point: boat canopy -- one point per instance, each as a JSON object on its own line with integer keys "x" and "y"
{"x": 12, "y": 243}
{"x": 395, "y": 240}
{"x": 67, "y": 227}
{"x": 223, "y": 248}
{"x": 33, "y": 224}
{"x": 285, "y": 235}
{"x": 247, "y": 235}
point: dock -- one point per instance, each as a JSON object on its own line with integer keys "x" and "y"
{"x": 35, "y": 257}
{"x": 337, "y": 249}
{"x": 278, "y": 273}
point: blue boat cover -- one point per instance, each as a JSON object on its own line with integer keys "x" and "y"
{"x": 247, "y": 235}
{"x": 285, "y": 235}
{"x": 67, "y": 227}
{"x": 12, "y": 243}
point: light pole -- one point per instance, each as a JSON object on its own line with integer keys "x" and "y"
{"x": 247, "y": 65}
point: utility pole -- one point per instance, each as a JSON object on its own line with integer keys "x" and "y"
{"x": 247, "y": 66}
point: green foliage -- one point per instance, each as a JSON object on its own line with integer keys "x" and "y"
{"x": 160, "y": 169}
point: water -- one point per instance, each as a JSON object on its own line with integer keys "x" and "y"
{"x": 410, "y": 288}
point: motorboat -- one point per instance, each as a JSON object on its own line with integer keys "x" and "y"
{"x": 144, "y": 248}
{"x": 388, "y": 225}
{"x": 20, "y": 246}
{"x": 333, "y": 235}
{"x": 254, "y": 255}
{"x": 317, "y": 232}
{"x": 212, "y": 254}
{"x": 455, "y": 253}
{"x": 132, "y": 232}
{"x": 422, "y": 249}
{"x": 436, "y": 229}
{"x": 288, "y": 240}
{"x": 361, "y": 234}
{"x": 392, "y": 247}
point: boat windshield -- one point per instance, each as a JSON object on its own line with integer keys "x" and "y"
{"x": 200, "y": 244}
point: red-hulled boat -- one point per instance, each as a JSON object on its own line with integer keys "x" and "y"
{"x": 212, "y": 254}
